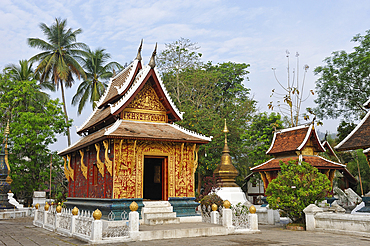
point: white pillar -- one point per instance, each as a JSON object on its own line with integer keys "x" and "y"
{"x": 57, "y": 220}
{"x": 253, "y": 221}
{"x": 73, "y": 224}
{"x": 227, "y": 217}
{"x": 134, "y": 225}
{"x": 97, "y": 230}
{"x": 35, "y": 217}
{"x": 310, "y": 212}
{"x": 45, "y": 218}
{"x": 214, "y": 217}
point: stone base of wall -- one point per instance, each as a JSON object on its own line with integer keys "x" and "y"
{"x": 184, "y": 206}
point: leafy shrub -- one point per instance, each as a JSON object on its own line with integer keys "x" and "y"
{"x": 297, "y": 186}
{"x": 210, "y": 185}
{"x": 210, "y": 199}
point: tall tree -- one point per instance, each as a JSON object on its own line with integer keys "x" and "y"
{"x": 60, "y": 56}
{"x": 98, "y": 71}
{"x": 344, "y": 83}
{"x": 177, "y": 57}
{"x": 33, "y": 127}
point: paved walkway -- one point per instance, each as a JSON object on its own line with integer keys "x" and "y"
{"x": 21, "y": 232}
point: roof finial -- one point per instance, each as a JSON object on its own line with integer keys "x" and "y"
{"x": 152, "y": 59}
{"x": 138, "y": 57}
{"x": 7, "y": 130}
{"x": 114, "y": 73}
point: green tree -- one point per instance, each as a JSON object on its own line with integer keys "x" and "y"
{"x": 356, "y": 163}
{"x": 344, "y": 85}
{"x": 59, "y": 58}
{"x": 33, "y": 127}
{"x": 98, "y": 72}
{"x": 24, "y": 71}
{"x": 258, "y": 137}
{"x": 344, "y": 129}
{"x": 297, "y": 186}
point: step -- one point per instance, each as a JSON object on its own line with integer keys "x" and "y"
{"x": 163, "y": 221}
{"x": 156, "y": 204}
{"x": 157, "y": 210}
{"x": 148, "y": 216}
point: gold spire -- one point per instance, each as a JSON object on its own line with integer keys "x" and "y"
{"x": 7, "y": 131}
{"x": 152, "y": 59}
{"x": 138, "y": 57}
{"x": 225, "y": 171}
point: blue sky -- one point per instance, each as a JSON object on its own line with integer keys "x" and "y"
{"x": 253, "y": 32}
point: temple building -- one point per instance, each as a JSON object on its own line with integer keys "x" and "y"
{"x": 359, "y": 138}
{"x": 131, "y": 148}
{"x": 299, "y": 143}
{"x": 5, "y": 179}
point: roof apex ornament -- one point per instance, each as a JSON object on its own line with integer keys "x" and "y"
{"x": 152, "y": 59}
{"x": 138, "y": 57}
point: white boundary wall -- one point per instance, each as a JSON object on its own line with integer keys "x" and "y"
{"x": 354, "y": 224}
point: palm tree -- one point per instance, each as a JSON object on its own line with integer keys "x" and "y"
{"x": 25, "y": 72}
{"x": 58, "y": 61}
{"x": 97, "y": 74}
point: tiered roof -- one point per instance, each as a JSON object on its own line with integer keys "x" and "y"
{"x": 294, "y": 139}
{"x": 297, "y": 143}
{"x": 106, "y": 119}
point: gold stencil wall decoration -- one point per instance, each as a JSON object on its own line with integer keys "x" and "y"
{"x": 100, "y": 164}
{"x": 66, "y": 173}
{"x": 83, "y": 167}
{"x": 195, "y": 162}
{"x": 181, "y": 158}
{"x": 120, "y": 159}
{"x": 70, "y": 170}
{"x": 108, "y": 162}
{"x": 133, "y": 163}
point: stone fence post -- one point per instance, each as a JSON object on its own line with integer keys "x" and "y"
{"x": 214, "y": 214}
{"x": 73, "y": 220}
{"x": 253, "y": 218}
{"x": 46, "y": 210}
{"x": 310, "y": 212}
{"x": 134, "y": 221}
{"x": 97, "y": 227}
{"x": 227, "y": 215}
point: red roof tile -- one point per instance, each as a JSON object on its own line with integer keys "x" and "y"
{"x": 288, "y": 140}
{"x": 359, "y": 138}
{"x": 316, "y": 161}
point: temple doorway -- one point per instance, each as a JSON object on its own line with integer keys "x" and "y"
{"x": 155, "y": 178}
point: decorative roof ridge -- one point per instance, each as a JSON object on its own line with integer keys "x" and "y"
{"x": 260, "y": 165}
{"x": 71, "y": 145}
{"x": 135, "y": 85}
{"x": 88, "y": 119}
{"x": 330, "y": 149}
{"x": 333, "y": 162}
{"x": 102, "y": 98}
{"x": 180, "y": 114}
{"x": 272, "y": 143}
{"x": 308, "y": 134}
{"x": 124, "y": 85}
{"x": 353, "y": 131}
{"x": 292, "y": 128}
{"x": 191, "y": 133}
{"x": 366, "y": 151}
{"x": 367, "y": 104}
{"x": 112, "y": 128}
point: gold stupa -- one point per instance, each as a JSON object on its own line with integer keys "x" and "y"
{"x": 225, "y": 171}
